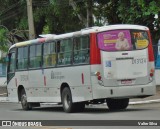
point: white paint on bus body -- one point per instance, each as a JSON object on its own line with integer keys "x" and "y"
{"x": 125, "y": 77}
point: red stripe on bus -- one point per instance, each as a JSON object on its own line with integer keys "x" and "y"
{"x": 94, "y": 50}
{"x": 16, "y": 82}
{"x": 44, "y": 80}
{"x": 82, "y": 78}
{"x": 150, "y": 48}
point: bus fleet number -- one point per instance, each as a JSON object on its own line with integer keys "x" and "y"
{"x": 139, "y": 61}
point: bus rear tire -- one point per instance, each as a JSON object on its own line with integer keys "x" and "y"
{"x": 25, "y": 105}
{"x": 68, "y": 105}
{"x": 117, "y": 104}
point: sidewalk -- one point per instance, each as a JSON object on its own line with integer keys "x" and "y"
{"x": 3, "y": 94}
{"x": 152, "y": 99}
{"x": 3, "y": 91}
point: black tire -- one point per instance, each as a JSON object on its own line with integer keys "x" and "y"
{"x": 117, "y": 104}
{"x": 25, "y": 105}
{"x": 68, "y": 104}
{"x": 80, "y": 106}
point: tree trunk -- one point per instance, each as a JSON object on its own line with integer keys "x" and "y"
{"x": 80, "y": 16}
{"x": 89, "y": 13}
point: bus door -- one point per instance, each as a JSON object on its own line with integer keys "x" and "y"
{"x": 11, "y": 66}
{"x": 124, "y": 56}
{"x": 11, "y": 81}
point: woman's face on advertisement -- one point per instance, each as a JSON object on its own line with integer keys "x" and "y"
{"x": 121, "y": 36}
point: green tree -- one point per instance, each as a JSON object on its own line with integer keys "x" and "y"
{"x": 141, "y": 12}
{"x": 61, "y": 16}
{"x": 3, "y": 39}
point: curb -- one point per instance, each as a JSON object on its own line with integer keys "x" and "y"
{"x": 3, "y": 94}
{"x": 4, "y": 99}
{"x": 130, "y": 103}
{"x": 145, "y": 102}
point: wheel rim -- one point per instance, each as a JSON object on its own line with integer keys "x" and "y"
{"x": 67, "y": 101}
{"x": 24, "y": 101}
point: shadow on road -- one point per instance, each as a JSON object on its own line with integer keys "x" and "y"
{"x": 87, "y": 110}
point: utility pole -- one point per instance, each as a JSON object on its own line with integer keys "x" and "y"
{"x": 30, "y": 20}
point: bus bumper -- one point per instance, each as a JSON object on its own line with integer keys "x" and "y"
{"x": 138, "y": 91}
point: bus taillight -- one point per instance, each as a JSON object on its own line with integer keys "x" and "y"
{"x": 98, "y": 74}
{"x": 151, "y": 72}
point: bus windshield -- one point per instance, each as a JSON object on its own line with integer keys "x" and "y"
{"x": 2, "y": 70}
{"x": 122, "y": 40}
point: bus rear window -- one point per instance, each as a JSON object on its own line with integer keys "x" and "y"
{"x": 122, "y": 40}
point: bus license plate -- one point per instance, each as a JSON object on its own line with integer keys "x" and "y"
{"x": 126, "y": 82}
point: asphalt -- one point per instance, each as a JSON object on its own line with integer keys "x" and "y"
{"x": 151, "y": 99}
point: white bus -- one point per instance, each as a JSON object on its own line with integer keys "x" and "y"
{"x": 108, "y": 64}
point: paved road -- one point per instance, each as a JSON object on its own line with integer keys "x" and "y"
{"x": 13, "y": 111}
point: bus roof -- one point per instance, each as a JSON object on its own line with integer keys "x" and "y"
{"x": 77, "y": 33}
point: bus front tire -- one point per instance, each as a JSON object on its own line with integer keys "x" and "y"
{"x": 68, "y": 105}
{"x": 25, "y": 105}
{"x": 117, "y": 104}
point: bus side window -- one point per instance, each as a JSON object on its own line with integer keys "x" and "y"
{"x": 46, "y": 54}
{"x": 22, "y": 58}
{"x": 81, "y": 50}
{"x": 35, "y": 60}
{"x": 52, "y": 59}
{"x": 11, "y": 63}
{"x": 60, "y": 59}
{"x": 64, "y": 49}
{"x": 49, "y": 54}
{"x": 76, "y": 48}
{"x": 53, "y": 55}
{"x": 86, "y": 50}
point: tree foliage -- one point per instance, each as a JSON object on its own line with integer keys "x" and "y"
{"x": 141, "y": 12}
{"x": 61, "y": 16}
{"x": 3, "y": 39}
